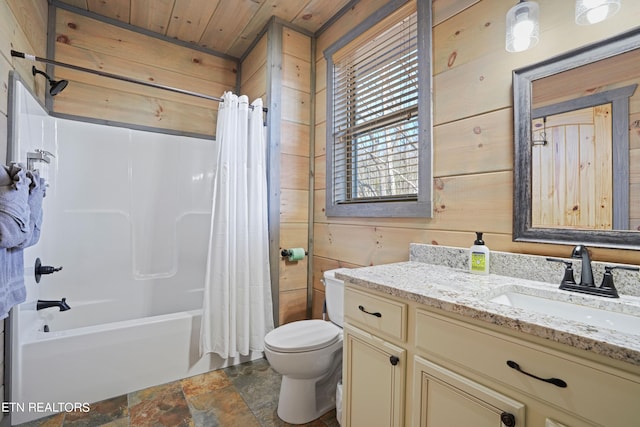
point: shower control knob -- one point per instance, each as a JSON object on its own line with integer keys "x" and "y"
{"x": 40, "y": 269}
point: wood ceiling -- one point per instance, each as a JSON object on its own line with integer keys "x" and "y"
{"x": 224, "y": 26}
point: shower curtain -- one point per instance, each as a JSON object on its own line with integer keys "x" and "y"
{"x": 237, "y": 307}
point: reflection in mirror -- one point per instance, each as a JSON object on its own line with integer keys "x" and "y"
{"x": 577, "y": 146}
{"x": 577, "y": 182}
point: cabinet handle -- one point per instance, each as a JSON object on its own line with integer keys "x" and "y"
{"x": 555, "y": 381}
{"x": 362, "y": 309}
{"x": 508, "y": 419}
{"x": 394, "y": 360}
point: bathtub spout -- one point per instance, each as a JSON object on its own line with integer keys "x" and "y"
{"x": 49, "y": 303}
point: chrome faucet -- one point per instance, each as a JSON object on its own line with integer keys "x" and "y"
{"x": 49, "y": 303}
{"x": 586, "y": 275}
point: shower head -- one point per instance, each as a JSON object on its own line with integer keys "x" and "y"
{"x": 57, "y": 86}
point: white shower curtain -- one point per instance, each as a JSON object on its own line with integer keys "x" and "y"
{"x": 237, "y": 307}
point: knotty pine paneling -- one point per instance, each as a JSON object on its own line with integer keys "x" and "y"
{"x": 356, "y": 14}
{"x": 254, "y": 61}
{"x": 128, "y": 107}
{"x": 317, "y": 304}
{"x": 295, "y": 74}
{"x": 295, "y": 127}
{"x": 320, "y": 265}
{"x": 294, "y": 205}
{"x": 296, "y": 44}
{"x": 89, "y": 43}
{"x": 293, "y": 305}
{"x": 478, "y": 202}
{"x": 253, "y": 76}
{"x": 30, "y": 18}
{"x": 295, "y": 174}
{"x": 256, "y": 86}
{"x": 296, "y": 106}
{"x": 19, "y": 32}
{"x": 295, "y": 139}
{"x": 472, "y": 135}
{"x": 315, "y": 13}
{"x": 153, "y": 15}
{"x": 293, "y": 274}
{"x": 91, "y": 35}
{"x": 190, "y": 22}
{"x": 482, "y": 143}
{"x": 138, "y": 71}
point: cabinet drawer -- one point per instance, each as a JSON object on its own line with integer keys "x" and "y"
{"x": 376, "y": 314}
{"x": 590, "y": 388}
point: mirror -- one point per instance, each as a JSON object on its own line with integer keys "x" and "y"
{"x": 577, "y": 146}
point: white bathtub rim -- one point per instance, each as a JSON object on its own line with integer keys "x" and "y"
{"x": 34, "y": 333}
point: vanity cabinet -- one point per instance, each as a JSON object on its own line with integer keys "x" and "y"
{"x": 374, "y": 367}
{"x": 374, "y": 393}
{"x": 452, "y": 370}
{"x": 449, "y": 399}
{"x": 546, "y": 379}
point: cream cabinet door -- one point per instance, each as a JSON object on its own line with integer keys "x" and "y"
{"x": 374, "y": 377}
{"x": 449, "y": 399}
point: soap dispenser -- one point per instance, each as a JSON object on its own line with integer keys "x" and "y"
{"x": 479, "y": 256}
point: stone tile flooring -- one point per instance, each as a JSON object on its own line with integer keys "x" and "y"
{"x": 244, "y": 395}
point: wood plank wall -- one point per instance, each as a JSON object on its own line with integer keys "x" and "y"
{"x": 293, "y": 52}
{"x": 90, "y": 43}
{"x": 295, "y": 130}
{"x": 23, "y": 27}
{"x": 472, "y": 135}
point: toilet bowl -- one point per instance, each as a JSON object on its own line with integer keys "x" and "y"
{"x": 308, "y": 355}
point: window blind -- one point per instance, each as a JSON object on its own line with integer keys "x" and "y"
{"x": 375, "y": 118}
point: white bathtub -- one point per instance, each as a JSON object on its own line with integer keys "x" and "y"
{"x": 127, "y": 215}
{"x": 90, "y": 363}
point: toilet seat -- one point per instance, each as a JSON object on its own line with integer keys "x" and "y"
{"x": 303, "y": 335}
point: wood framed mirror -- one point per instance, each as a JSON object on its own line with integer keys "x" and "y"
{"x": 577, "y": 146}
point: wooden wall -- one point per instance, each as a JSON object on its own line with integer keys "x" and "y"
{"x": 472, "y": 135}
{"x": 295, "y": 130}
{"x": 253, "y": 76}
{"x": 23, "y": 27}
{"x": 284, "y": 53}
{"x": 90, "y": 43}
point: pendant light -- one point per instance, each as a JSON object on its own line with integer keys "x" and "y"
{"x": 522, "y": 26}
{"x": 594, "y": 11}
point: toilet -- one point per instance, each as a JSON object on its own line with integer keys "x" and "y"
{"x": 308, "y": 355}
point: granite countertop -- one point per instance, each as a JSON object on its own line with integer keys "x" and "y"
{"x": 458, "y": 291}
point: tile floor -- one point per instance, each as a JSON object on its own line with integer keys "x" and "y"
{"x": 245, "y": 395}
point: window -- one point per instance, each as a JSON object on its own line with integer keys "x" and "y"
{"x": 378, "y": 124}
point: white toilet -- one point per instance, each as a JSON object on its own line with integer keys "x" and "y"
{"x": 308, "y": 354}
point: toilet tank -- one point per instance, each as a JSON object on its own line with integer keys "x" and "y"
{"x": 334, "y": 296}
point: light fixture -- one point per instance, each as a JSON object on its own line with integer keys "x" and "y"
{"x": 594, "y": 11}
{"x": 522, "y": 26}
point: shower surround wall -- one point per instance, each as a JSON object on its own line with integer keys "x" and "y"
{"x": 127, "y": 215}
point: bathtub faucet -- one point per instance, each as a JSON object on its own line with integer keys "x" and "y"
{"x": 50, "y": 303}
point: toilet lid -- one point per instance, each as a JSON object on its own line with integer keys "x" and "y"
{"x": 303, "y": 335}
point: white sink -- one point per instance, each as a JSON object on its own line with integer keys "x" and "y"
{"x": 598, "y": 317}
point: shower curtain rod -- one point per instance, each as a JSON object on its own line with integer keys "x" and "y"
{"x": 117, "y": 77}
